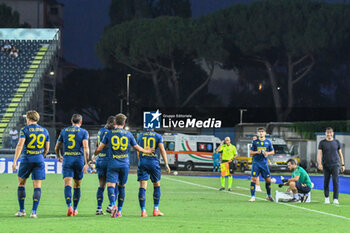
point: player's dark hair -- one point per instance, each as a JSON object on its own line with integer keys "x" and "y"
{"x": 120, "y": 119}
{"x": 261, "y": 129}
{"x": 329, "y": 129}
{"x": 110, "y": 122}
{"x": 292, "y": 161}
{"x": 76, "y": 118}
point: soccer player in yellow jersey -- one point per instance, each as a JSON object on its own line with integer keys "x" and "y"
{"x": 229, "y": 152}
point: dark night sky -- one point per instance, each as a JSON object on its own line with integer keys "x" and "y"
{"x": 84, "y": 24}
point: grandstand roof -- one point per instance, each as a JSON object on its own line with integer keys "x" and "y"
{"x": 28, "y": 33}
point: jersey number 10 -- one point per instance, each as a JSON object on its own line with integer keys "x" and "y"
{"x": 147, "y": 142}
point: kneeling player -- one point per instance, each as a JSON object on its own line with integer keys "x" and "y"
{"x": 299, "y": 183}
{"x": 149, "y": 166}
{"x": 118, "y": 141}
{"x": 76, "y": 153}
{"x": 35, "y": 142}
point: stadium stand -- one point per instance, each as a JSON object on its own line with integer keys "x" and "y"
{"x": 21, "y": 78}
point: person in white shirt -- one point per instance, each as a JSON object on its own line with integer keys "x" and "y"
{"x": 7, "y": 47}
{"x": 14, "y": 138}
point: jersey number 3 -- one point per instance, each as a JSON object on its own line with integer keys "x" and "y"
{"x": 71, "y": 139}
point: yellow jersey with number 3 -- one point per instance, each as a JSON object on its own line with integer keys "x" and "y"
{"x": 72, "y": 138}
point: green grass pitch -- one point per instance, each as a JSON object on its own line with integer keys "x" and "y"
{"x": 190, "y": 204}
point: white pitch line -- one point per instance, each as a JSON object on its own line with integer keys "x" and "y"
{"x": 244, "y": 195}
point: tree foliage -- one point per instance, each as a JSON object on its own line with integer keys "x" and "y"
{"x": 97, "y": 94}
{"x": 159, "y": 48}
{"x": 125, "y": 10}
{"x": 283, "y": 36}
{"x": 8, "y": 18}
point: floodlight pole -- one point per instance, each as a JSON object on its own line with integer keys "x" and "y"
{"x": 128, "y": 96}
{"x": 241, "y": 115}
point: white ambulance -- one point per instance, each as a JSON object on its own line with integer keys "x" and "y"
{"x": 190, "y": 151}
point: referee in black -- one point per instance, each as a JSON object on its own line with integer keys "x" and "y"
{"x": 329, "y": 157}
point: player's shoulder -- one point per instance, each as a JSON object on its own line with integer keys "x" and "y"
{"x": 66, "y": 128}
{"x": 267, "y": 140}
{"x": 63, "y": 131}
{"x": 103, "y": 130}
{"x": 46, "y": 131}
{"x": 300, "y": 169}
{"x": 129, "y": 134}
{"x": 24, "y": 128}
{"x": 83, "y": 130}
{"x": 100, "y": 131}
{"x": 84, "y": 133}
{"x": 41, "y": 127}
{"x": 158, "y": 135}
{"x": 323, "y": 141}
{"x": 141, "y": 134}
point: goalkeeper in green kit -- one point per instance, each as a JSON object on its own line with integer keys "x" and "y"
{"x": 300, "y": 182}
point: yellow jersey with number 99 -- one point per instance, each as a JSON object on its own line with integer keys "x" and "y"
{"x": 119, "y": 142}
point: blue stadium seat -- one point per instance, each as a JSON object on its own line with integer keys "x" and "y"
{"x": 13, "y": 70}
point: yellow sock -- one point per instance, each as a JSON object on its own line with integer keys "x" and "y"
{"x": 230, "y": 179}
{"x": 223, "y": 181}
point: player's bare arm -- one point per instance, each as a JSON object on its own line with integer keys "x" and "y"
{"x": 252, "y": 152}
{"x": 219, "y": 148}
{"x": 163, "y": 154}
{"x": 341, "y": 157}
{"x": 99, "y": 148}
{"x": 86, "y": 154}
{"x": 269, "y": 153}
{"x": 58, "y": 151}
{"x": 46, "y": 148}
{"x": 319, "y": 159}
{"x": 146, "y": 151}
{"x": 294, "y": 179}
{"x": 19, "y": 149}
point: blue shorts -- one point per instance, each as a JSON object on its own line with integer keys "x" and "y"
{"x": 73, "y": 168}
{"x": 117, "y": 174}
{"x": 262, "y": 169}
{"x": 101, "y": 167}
{"x": 302, "y": 188}
{"x": 37, "y": 169}
{"x": 146, "y": 170}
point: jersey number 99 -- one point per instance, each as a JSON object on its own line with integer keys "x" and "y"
{"x": 119, "y": 143}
